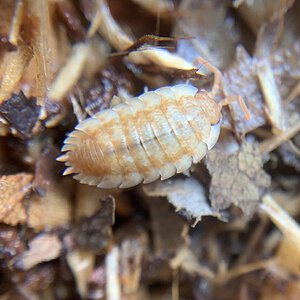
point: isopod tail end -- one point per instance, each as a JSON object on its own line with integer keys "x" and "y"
{"x": 62, "y": 158}
{"x": 68, "y": 171}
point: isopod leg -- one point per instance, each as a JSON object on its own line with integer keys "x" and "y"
{"x": 242, "y": 104}
{"x": 218, "y": 83}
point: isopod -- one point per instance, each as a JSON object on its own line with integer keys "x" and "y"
{"x": 156, "y": 135}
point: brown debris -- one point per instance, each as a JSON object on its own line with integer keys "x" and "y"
{"x": 237, "y": 178}
{"x": 22, "y": 114}
{"x": 13, "y": 190}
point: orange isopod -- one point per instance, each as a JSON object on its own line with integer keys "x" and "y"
{"x": 152, "y": 136}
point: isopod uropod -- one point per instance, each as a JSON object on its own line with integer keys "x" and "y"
{"x": 152, "y": 136}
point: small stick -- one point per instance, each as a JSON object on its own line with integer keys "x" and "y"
{"x": 275, "y": 141}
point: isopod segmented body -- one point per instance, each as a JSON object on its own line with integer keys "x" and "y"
{"x": 157, "y": 134}
{"x": 152, "y": 136}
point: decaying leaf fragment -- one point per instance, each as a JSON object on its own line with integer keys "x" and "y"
{"x": 13, "y": 189}
{"x": 187, "y": 195}
{"x": 237, "y": 178}
{"x": 21, "y": 113}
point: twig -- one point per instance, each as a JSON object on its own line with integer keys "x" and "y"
{"x": 280, "y": 217}
{"x": 275, "y": 141}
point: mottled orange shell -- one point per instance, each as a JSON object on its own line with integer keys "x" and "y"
{"x": 153, "y": 136}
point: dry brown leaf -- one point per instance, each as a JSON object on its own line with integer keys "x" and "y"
{"x": 42, "y": 248}
{"x": 13, "y": 189}
{"x": 186, "y": 195}
{"x": 237, "y": 178}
